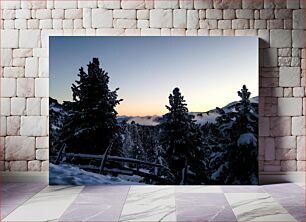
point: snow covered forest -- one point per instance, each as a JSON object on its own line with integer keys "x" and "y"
{"x": 89, "y": 140}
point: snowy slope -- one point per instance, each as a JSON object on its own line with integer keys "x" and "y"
{"x": 66, "y": 174}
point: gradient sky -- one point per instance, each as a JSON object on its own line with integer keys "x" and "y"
{"x": 208, "y": 70}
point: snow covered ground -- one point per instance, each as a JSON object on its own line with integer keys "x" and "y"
{"x": 66, "y": 174}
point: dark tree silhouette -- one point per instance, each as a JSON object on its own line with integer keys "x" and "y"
{"x": 92, "y": 125}
{"x": 179, "y": 137}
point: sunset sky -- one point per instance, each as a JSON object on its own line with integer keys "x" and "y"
{"x": 208, "y": 70}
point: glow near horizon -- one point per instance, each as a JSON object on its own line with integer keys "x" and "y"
{"x": 208, "y": 70}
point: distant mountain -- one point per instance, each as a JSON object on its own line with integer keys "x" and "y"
{"x": 200, "y": 117}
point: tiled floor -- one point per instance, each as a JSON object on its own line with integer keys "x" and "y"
{"x": 39, "y": 202}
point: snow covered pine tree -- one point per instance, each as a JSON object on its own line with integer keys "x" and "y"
{"x": 92, "y": 124}
{"x": 236, "y": 159}
{"x": 179, "y": 138}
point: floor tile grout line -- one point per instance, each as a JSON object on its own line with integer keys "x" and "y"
{"x": 127, "y": 194}
{"x": 20, "y": 204}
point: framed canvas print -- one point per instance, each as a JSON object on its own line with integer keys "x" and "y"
{"x": 153, "y": 110}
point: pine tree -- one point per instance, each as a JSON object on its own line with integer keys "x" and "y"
{"x": 92, "y": 125}
{"x": 179, "y": 138}
{"x": 236, "y": 162}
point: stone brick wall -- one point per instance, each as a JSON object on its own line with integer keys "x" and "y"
{"x": 26, "y": 25}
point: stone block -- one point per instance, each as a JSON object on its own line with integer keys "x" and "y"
{"x": 18, "y": 106}
{"x": 23, "y": 14}
{"x": 42, "y": 142}
{"x": 29, "y": 38}
{"x": 33, "y": 126}
{"x": 31, "y": 67}
{"x": 3, "y": 130}
{"x": 25, "y": 87}
{"x": 41, "y": 87}
{"x": 150, "y": 32}
{"x": 73, "y": 13}
{"x": 224, "y": 24}
{"x": 289, "y": 76}
{"x": 125, "y": 23}
{"x": 45, "y": 165}
{"x": 269, "y": 149}
{"x": 58, "y": 13}
{"x": 179, "y": 18}
{"x": 280, "y": 38}
{"x": 19, "y": 148}
{"x": 285, "y": 154}
{"x": 298, "y": 38}
{"x": 8, "y": 87}
{"x": 109, "y": 4}
{"x": 289, "y": 106}
{"x": 141, "y": 24}
{"x": 10, "y": 5}
{"x": 283, "y": 14}
{"x": 42, "y": 154}
{"x": 298, "y": 19}
{"x": 252, "y": 4}
{"x": 13, "y": 125}
{"x": 45, "y": 106}
{"x": 192, "y": 19}
{"x": 5, "y": 106}
{"x": 240, "y": 24}
{"x": 228, "y": 14}
{"x": 20, "y": 23}
{"x": 245, "y": 14}
{"x": 18, "y": 165}
{"x": 280, "y": 126}
{"x": 9, "y": 38}
{"x": 293, "y": 4}
{"x": 298, "y": 92}
{"x": 288, "y": 165}
{"x": 125, "y": 14}
{"x": 102, "y": 18}
{"x": 214, "y": 14}
{"x": 43, "y": 13}
{"x": 203, "y": 4}
{"x": 33, "y": 106}
{"x": 22, "y": 53}
{"x": 43, "y": 70}
{"x": 301, "y": 148}
{"x": 6, "y": 57}
{"x": 298, "y": 126}
{"x": 165, "y": 4}
{"x": 285, "y": 142}
{"x": 160, "y": 18}
{"x": 34, "y": 165}
{"x": 227, "y": 4}
{"x": 143, "y": 14}
{"x": 13, "y": 72}
{"x": 65, "y": 4}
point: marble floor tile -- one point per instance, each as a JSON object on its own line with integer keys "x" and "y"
{"x": 6, "y": 210}
{"x": 97, "y": 204}
{"x": 257, "y": 207}
{"x": 298, "y": 212}
{"x": 15, "y": 198}
{"x": 22, "y": 187}
{"x": 290, "y": 199}
{"x": 106, "y": 189}
{"x": 242, "y": 189}
{"x": 198, "y": 189}
{"x": 149, "y": 203}
{"x": 203, "y": 207}
{"x": 47, "y": 205}
{"x": 283, "y": 188}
